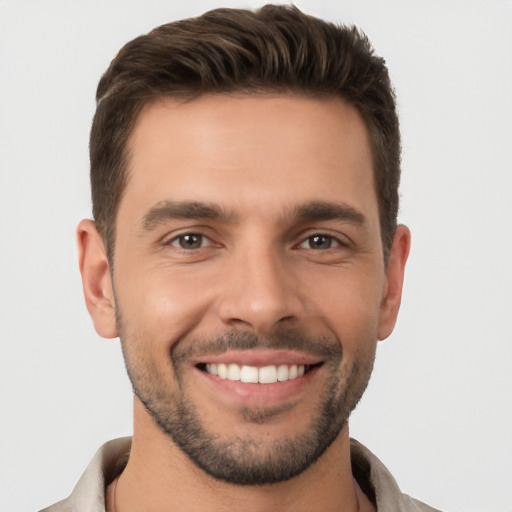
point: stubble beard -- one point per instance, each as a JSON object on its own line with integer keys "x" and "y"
{"x": 247, "y": 460}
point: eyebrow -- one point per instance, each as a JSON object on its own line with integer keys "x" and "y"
{"x": 307, "y": 212}
{"x": 168, "y": 210}
{"x": 321, "y": 210}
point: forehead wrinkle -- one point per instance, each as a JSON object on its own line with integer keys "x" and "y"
{"x": 168, "y": 210}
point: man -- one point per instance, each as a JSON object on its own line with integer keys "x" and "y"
{"x": 245, "y": 249}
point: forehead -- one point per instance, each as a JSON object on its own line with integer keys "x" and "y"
{"x": 258, "y": 151}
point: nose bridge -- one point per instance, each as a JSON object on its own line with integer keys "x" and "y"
{"x": 260, "y": 291}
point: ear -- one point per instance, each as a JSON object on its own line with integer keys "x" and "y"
{"x": 394, "y": 281}
{"x": 96, "y": 279}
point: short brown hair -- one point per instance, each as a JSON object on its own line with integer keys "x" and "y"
{"x": 273, "y": 49}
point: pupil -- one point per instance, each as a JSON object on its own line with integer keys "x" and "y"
{"x": 321, "y": 242}
{"x": 190, "y": 241}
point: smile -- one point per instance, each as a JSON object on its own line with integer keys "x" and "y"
{"x": 259, "y": 378}
{"x": 257, "y": 375}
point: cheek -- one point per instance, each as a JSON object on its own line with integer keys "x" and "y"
{"x": 350, "y": 307}
{"x": 161, "y": 308}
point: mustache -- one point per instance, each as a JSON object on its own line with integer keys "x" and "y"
{"x": 319, "y": 346}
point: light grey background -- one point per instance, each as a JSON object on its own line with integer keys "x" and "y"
{"x": 438, "y": 410}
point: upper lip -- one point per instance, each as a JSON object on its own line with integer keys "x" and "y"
{"x": 258, "y": 357}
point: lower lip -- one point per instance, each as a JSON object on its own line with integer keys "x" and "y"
{"x": 243, "y": 393}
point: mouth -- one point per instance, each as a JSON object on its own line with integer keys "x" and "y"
{"x": 258, "y": 378}
{"x": 269, "y": 374}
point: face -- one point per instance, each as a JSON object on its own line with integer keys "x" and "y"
{"x": 249, "y": 283}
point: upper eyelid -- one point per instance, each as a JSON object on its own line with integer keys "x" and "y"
{"x": 299, "y": 238}
{"x": 194, "y": 233}
{"x": 203, "y": 231}
{"x": 342, "y": 238}
{"x": 336, "y": 241}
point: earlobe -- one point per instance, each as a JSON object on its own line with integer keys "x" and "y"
{"x": 390, "y": 304}
{"x": 96, "y": 279}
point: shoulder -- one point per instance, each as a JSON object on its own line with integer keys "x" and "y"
{"x": 89, "y": 492}
{"x": 379, "y": 485}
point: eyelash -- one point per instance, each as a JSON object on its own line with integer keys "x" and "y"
{"x": 331, "y": 240}
{"x": 326, "y": 237}
{"x": 175, "y": 242}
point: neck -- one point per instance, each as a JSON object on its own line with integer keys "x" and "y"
{"x": 159, "y": 476}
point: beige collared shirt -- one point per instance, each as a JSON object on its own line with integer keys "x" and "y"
{"x": 373, "y": 478}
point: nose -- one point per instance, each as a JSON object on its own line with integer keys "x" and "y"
{"x": 259, "y": 292}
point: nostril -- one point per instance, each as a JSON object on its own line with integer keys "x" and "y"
{"x": 239, "y": 322}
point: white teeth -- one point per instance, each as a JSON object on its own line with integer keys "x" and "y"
{"x": 222, "y": 370}
{"x": 253, "y": 374}
{"x": 282, "y": 373}
{"x": 212, "y": 368}
{"x": 249, "y": 374}
{"x": 234, "y": 372}
{"x": 268, "y": 375}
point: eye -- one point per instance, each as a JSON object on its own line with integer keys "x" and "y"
{"x": 319, "y": 242}
{"x": 189, "y": 241}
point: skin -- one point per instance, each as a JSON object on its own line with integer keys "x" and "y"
{"x": 259, "y": 159}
